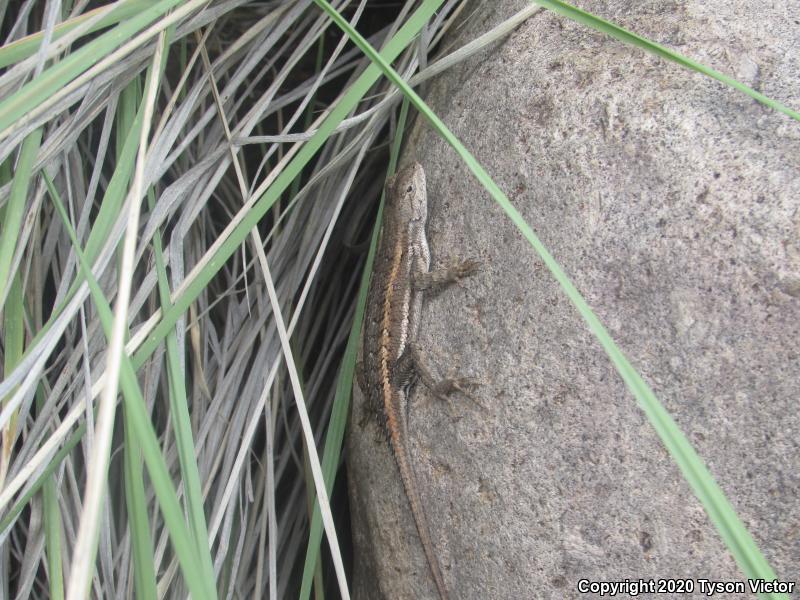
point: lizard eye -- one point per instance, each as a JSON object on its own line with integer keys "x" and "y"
{"x": 410, "y": 189}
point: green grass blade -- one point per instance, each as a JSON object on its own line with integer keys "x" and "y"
{"x": 144, "y": 569}
{"x": 193, "y": 573}
{"x": 39, "y": 89}
{"x": 13, "y": 339}
{"x": 13, "y": 315}
{"x": 181, "y": 421}
{"x": 21, "y": 49}
{"x": 52, "y": 539}
{"x": 628, "y": 37}
{"x": 15, "y": 208}
{"x": 144, "y": 574}
{"x": 12, "y": 308}
{"x": 735, "y": 535}
{"x": 52, "y": 527}
{"x": 96, "y": 484}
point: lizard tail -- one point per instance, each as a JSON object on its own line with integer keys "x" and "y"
{"x": 418, "y": 512}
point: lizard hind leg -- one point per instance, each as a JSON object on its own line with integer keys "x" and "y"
{"x": 440, "y": 278}
{"x": 443, "y": 389}
{"x": 369, "y": 413}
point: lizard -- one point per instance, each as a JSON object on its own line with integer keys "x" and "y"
{"x": 391, "y": 364}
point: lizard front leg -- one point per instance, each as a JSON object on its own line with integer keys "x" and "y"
{"x": 412, "y": 364}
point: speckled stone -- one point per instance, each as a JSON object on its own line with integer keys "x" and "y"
{"x": 673, "y": 203}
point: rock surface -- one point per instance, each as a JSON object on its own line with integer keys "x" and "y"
{"x": 673, "y": 203}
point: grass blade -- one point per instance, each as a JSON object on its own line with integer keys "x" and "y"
{"x": 144, "y": 574}
{"x": 181, "y": 421}
{"x": 628, "y": 37}
{"x": 14, "y": 209}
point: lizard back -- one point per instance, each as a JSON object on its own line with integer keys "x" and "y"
{"x": 392, "y": 322}
{"x": 392, "y": 315}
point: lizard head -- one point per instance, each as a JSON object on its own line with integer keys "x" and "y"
{"x": 407, "y": 190}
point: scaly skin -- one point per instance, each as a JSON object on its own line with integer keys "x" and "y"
{"x": 391, "y": 366}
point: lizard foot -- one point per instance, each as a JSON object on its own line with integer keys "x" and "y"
{"x": 445, "y": 388}
{"x": 438, "y": 279}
